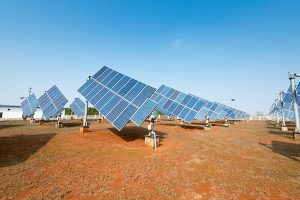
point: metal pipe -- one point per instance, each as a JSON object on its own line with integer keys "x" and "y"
{"x": 154, "y": 140}
{"x": 294, "y": 97}
{"x": 277, "y": 114}
{"x": 282, "y": 109}
{"x": 85, "y": 114}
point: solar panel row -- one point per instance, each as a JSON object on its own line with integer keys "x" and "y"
{"x": 189, "y": 107}
{"x": 118, "y": 97}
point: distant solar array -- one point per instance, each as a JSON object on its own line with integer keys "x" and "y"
{"x": 119, "y": 98}
{"x": 189, "y": 107}
{"x": 78, "y": 107}
{"x": 29, "y": 106}
{"x": 52, "y": 102}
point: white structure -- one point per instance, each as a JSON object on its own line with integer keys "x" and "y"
{"x": 10, "y": 112}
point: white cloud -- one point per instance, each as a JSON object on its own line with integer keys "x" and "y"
{"x": 182, "y": 43}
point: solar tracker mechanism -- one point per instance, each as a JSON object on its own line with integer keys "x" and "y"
{"x": 119, "y": 98}
{"x": 292, "y": 77}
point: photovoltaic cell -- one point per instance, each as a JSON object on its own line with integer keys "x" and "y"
{"x": 119, "y": 98}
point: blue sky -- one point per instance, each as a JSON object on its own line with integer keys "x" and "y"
{"x": 211, "y": 48}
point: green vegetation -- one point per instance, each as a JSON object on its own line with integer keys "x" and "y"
{"x": 68, "y": 111}
{"x": 159, "y": 113}
{"x": 91, "y": 111}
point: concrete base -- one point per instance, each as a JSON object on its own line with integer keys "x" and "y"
{"x": 284, "y": 129}
{"x": 59, "y": 125}
{"x": 226, "y": 125}
{"x": 84, "y": 129}
{"x": 149, "y": 141}
{"x": 41, "y": 122}
{"x": 297, "y": 136}
{"x": 207, "y": 128}
{"x": 181, "y": 123}
{"x": 277, "y": 125}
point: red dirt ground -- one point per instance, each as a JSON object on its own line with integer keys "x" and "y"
{"x": 253, "y": 160}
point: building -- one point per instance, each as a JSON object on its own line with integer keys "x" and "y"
{"x": 11, "y": 112}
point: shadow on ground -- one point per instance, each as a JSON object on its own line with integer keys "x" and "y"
{"x": 72, "y": 124}
{"x": 275, "y": 130}
{"x": 185, "y": 126}
{"x": 9, "y": 126}
{"x": 132, "y": 133}
{"x": 289, "y": 150}
{"x": 18, "y": 148}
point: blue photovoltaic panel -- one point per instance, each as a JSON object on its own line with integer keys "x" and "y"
{"x": 52, "y": 102}
{"x": 78, "y": 107}
{"x": 287, "y": 97}
{"x": 174, "y": 102}
{"x": 202, "y": 113}
{"x": 119, "y": 98}
{"x": 29, "y": 106}
{"x": 222, "y": 115}
{"x": 186, "y": 106}
{"x": 143, "y": 112}
{"x": 216, "y": 110}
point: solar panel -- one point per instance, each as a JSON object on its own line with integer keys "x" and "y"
{"x": 78, "y": 107}
{"x": 119, "y": 98}
{"x": 174, "y": 102}
{"x": 216, "y": 111}
{"x": 189, "y": 107}
{"x": 52, "y": 102}
{"x": 29, "y": 106}
{"x": 287, "y": 97}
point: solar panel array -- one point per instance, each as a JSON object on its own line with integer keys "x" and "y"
{"x": 288, "y": 95}
{"x": 52, "y": 102}
{"x": 119, "y": 98}
{"x": 78, "y": 107}
{"x": 189, "y": 107}
{"x": 288, "y": 108}
{"x": 29, "y": 106}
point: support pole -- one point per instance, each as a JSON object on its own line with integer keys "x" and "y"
{"x": 85, "y": 127}
{"x": 284, "y": 128}
{"x": 226, "y": 124}
{"x": 207, "y": 124}
{"x": 85, "y": 123}
{"x": 59, "y": 122}
{"x": 294, "y": 97}
{"x": 282, "y": 109}
{"x": 152, "y": 139}
{"x": 277, "y": 113}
